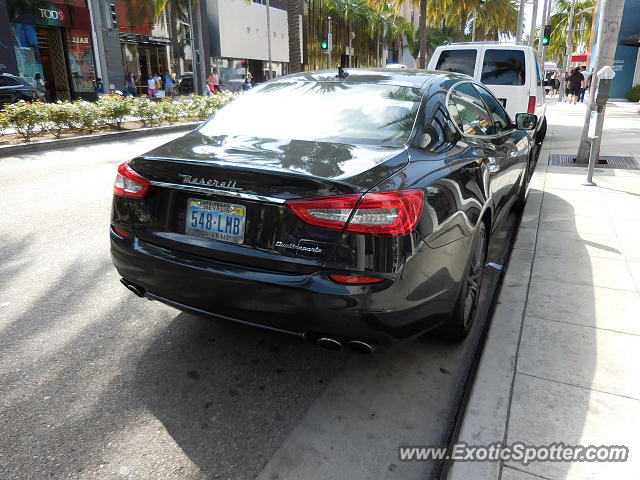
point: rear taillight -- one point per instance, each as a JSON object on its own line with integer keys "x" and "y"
{"x": 130, "y": 183}
{"x": 355, "y": 279}
{"x": 386, "y": 213}
{"x": 532, "y": 105}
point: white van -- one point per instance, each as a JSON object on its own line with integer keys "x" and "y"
{"x": 511, "y": 71}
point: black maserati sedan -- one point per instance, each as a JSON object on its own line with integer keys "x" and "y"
{"x": 350, "y": 209}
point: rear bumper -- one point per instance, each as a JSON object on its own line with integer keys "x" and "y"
{"x": 301, "y": 304}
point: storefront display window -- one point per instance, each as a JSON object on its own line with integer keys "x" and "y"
{"x": 26, "y": 52}
{"x": 80, "y": 56}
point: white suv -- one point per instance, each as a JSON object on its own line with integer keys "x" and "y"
{"x": 511, "y": 71}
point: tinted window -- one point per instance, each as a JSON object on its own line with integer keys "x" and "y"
{"x": 473, "y": 117}
{"x": 461, "y": 61}
{"x": 331, "y": 111}
{"x": 500, "y": 118}
{"x": 503, "y": 67}
{"x": 8, "y": 81}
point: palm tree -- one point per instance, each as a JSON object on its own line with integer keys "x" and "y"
{"x": 584, "y": 12}
{"x": 435, "y": 37}
{"x": 293, "y": 28}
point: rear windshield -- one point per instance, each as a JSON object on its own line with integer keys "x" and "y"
{"x": 460, "y": 61}
{"x": 333, "y": 111}
{"x": 503, "y": 67}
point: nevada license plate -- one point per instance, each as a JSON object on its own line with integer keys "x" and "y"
{"x": 216, "y": 220}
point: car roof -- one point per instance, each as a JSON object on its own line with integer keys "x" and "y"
{"x": 496, "y": 45}
{"x": 404, "y": 77}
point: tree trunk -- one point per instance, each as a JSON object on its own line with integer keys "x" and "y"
{"x": 463, "y": 23}
{"x": 608, "y": 31}
{"x": 422, "y": 26}
{"x": 293, "y": 27}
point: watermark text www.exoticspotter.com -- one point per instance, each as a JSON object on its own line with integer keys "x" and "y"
{"x": 516, "y": 452}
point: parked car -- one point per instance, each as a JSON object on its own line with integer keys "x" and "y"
{"x": 14, "y": 88}
{"x": 358, "y": 213}
{"x": 511, "y": 71}
{"x": 185, "y": 85}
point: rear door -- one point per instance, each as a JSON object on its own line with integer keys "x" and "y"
{"x": 504, "y": 71}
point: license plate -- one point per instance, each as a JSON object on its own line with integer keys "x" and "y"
{"x": 216, "y": 220}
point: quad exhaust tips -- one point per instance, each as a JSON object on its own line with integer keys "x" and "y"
{"x": 139, "y": 291}
{"x": 335, "y": 345}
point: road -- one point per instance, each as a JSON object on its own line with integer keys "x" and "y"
{"x": 96, "y": 383}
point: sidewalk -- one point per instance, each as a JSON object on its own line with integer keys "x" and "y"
{"x": 562, "y": 357}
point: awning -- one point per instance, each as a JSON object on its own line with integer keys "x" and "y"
{"x": 579, "y": 57}
{"x": 633, "y": 40}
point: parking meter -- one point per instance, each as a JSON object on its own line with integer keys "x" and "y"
{"x": 605, "y": 75}
{"x": 602, "y": 91}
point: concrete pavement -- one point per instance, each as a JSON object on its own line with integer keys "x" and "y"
{"x": 562, "y": 358}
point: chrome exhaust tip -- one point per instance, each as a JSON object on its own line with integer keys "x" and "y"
{"x": 360, "y": 346}
{"x": 330, "y": 344}
{"x": 139, "y": 291}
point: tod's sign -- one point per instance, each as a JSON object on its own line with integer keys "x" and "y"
{"x": 51, "y": 14}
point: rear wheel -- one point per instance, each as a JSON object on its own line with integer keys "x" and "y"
{"x": 459, "y": 325}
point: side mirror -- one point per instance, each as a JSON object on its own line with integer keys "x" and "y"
{"x": 526, "y": 121}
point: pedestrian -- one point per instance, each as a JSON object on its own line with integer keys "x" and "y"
{"x": 210, "y": 84}
{"x": 216, "y": 79}
{"x": 151, "y": 87}
{"x": 40, "y": 87}
{"x": 556, "y": 83}
{"x": 169, "y": 83}
{"x": 130, "y": 85}
{"x": 100, "y": 86}
{"x": 586, "y": 83}
{"x": 246, "y": 84}
{"x": 574, "y": 82}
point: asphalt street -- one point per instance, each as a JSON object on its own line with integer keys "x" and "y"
{"x": 97, "y": 383}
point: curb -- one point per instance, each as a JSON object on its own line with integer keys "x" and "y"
{"x": 89, "y": 139}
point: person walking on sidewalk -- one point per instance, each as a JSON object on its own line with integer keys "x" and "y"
{"x": 40, "y": 87}
{"x": 169, "y": 83}
{"x": 151, "y": 87}
{"x": 574, "y": 82}
{"x": 586, "y": 83}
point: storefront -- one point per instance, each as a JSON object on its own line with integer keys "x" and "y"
{"x": 144, "y": 55}
{"x": 54, "y": 40}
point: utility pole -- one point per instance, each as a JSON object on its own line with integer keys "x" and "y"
{"x": 534, "y": 23}
{"x": 520, "y": 21}
{"x": 269, "y": 39}
{"x": 609, "y": 20}
{"x": 352, "y": 35}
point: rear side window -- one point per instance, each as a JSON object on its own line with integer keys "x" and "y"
{"x": 503, "y": 67}
{"x": 469, "y": 111}
{"x": 460, "y": 61}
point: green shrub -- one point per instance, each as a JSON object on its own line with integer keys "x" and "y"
{"x": 634, "y": 94}
{"x": 26, "y": 118}
{"x": 149, "y": 112}
{"x": 169, "y": 110}
{"x": 58, "y": 117}
{"x": 113, "y": 109}
{"x": 86, "y": 116}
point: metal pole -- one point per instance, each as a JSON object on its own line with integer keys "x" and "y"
{"x": 569, "y": 48}
{"x": 329, "y": 42}
{"x": 595, "y": 144}
{"x": 350, "y": 42}
{"x": 534, "y": 22}
{"x": 475, "y": 20}
{"x": 542, "y": 50}
{"x": 269, "y": 38}
{"x": 520, "y": 20}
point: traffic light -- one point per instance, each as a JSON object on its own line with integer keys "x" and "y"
{"x": 114, "y": 15}
{"x": 324, "y": 44}
{"x": 546, "y": 35}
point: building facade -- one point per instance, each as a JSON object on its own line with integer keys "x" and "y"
{"x": 52, "y": 39}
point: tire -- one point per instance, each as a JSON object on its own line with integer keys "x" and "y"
{"x": 542, "y": 131}
{"x": 458, "y": 326}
